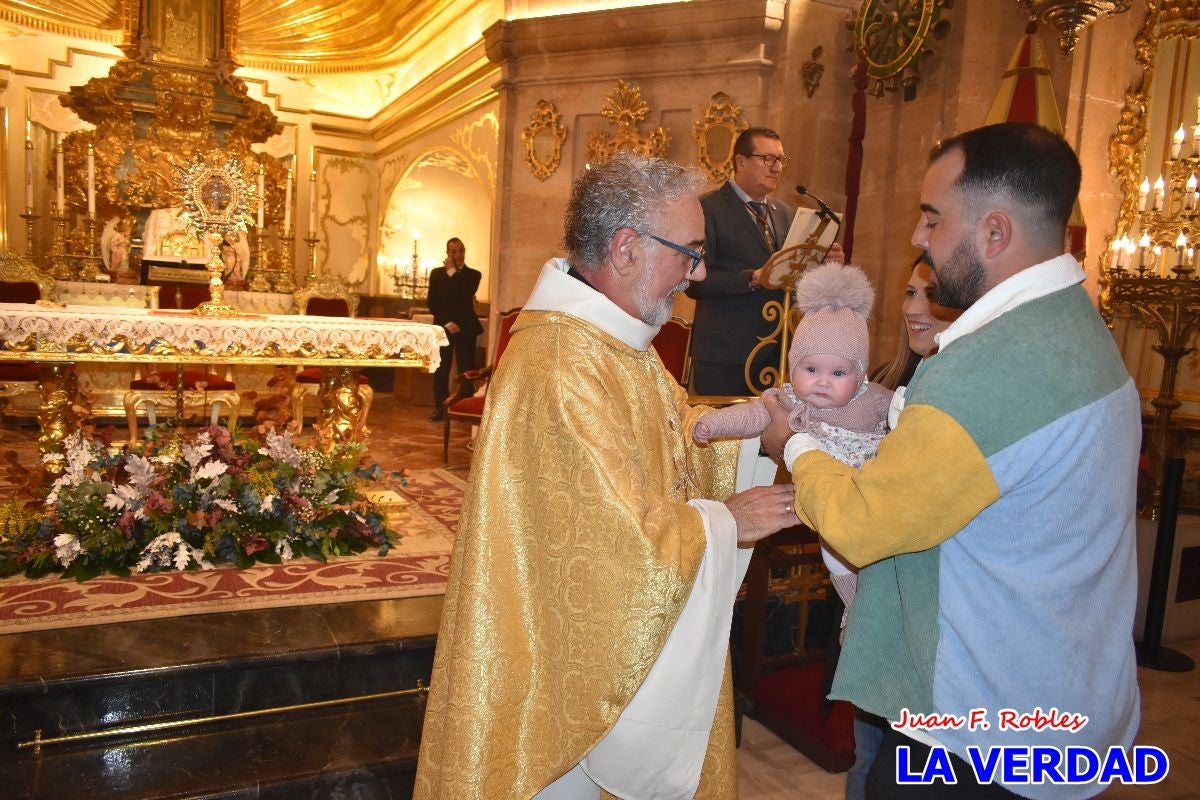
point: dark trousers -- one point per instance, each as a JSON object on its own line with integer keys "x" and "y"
{"x": 881, "y": 781}
{"x": 462, "y": 346}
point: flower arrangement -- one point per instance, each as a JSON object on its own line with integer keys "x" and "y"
{"x": 192, "y": 502}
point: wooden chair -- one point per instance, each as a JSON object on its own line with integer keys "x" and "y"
{"x": 152, "y": 389}
{"x": 788, "y": 596}
{"x": 325, "y": 297}
{"x": 20, "y": 282}
{"x": 469, "y": 408}
{"x": 674, "y": 345}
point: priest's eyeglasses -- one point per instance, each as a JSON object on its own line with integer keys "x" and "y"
{"x": 769, "y": 160}
{"x": 695, "y": 255}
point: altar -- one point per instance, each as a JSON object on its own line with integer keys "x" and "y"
{"x": 59, "y": 337}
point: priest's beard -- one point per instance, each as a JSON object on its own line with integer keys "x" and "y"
{"x": 961, "y": 276}
{"x": 655, "y": 311}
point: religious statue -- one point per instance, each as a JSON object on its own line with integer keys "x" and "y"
{"x": 236, "y": 258}
{"x": 115, "y": 244}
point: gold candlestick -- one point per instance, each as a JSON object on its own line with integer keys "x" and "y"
{"x": 30, "y": 218}
{"x": 285, "y": 279}
{"x": 258, "y": 281}
{"x": 60, "y": 265}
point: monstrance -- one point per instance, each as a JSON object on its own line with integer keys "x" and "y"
{"x": 216, "y": 204}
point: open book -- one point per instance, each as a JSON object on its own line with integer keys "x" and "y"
{"x": 809, "y": 238}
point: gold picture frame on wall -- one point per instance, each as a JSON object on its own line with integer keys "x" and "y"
{"x": 715, "y": 135}
{"x": 543, "y": 138}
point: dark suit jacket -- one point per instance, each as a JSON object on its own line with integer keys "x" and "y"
{"x": 452, "y": 298}
{"x": 729, "y": 318}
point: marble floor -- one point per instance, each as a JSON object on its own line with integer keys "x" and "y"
{"x": 402, "y": 436}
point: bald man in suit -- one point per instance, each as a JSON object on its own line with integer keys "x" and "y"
{"x": 729, "y": 302}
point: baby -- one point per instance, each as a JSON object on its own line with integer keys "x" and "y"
{"x": 829, "y": 395}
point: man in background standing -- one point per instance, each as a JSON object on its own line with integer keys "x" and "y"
{"x": 743, "y": 226}
{"x": 452, "y": 302}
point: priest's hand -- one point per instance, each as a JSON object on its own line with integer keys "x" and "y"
{"x": 761, "y": 511}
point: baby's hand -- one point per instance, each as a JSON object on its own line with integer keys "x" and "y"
{"x": 700, "y": 432}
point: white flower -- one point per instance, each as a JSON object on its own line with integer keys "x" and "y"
{"x": 267, "y": 503}
{"x": 284, "y": 549}
{"x": 330, "y": 498}
{"x": 210, "y": 470}
{"x": 170, "y": 550}
{"x": 280, "y": 448}
{"x": 194, "y": 454}
{"x": 227, "y": 505}
{"x": 114, "y": 501}
{"x": 141, "y": 473}
{"x": 66, "y": 548}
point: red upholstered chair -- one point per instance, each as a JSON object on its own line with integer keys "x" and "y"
{"x": 469, "y": 409}
{"x": 20, "y": 282}
{"x": 674, "y": 345}
{"x": 325, "y": 297}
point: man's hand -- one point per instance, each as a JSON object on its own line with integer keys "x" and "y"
{"x": 761, "y": 511}
{"x": 778, "y": 430}
{"x": 452, "y": 327}
{"x": 835, "y": 255}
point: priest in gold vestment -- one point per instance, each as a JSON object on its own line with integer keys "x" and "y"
{"x": 584, "y": 639}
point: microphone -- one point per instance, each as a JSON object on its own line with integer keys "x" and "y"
{"x": 826, "y": 212}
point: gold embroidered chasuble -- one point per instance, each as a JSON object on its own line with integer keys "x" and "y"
{"x": 575, "y": 554}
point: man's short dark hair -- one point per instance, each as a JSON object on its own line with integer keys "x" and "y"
{"x": 744, "y": 144}
{"x": 454, "y": 240}
{"x": 1031, "y": 165}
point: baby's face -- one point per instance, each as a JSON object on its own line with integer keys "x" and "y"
{"x": 825, "y": 381}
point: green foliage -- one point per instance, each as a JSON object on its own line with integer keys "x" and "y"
{"x": 177, "y": 502}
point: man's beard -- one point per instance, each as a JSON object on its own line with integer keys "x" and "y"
{"x": 656, "y": 312}
{"x": 961, "y": 276}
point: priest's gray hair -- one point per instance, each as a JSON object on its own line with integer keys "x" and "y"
{"x": 627, "y": 191}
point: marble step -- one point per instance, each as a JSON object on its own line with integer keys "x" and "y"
{"x": 114, "y": 676}
{"x": 365, "y": 750}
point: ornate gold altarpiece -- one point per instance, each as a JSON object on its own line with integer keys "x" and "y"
{"x": 59, "y": 338}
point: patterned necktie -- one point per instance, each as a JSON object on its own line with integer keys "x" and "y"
{"x": 764, "y": 222}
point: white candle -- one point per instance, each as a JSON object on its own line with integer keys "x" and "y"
{"x": 1177, "y": 141}
{"x": 1143, "y": 194}
{"x": 1143, "y": 246}
{"x": 287, "y": 204}
{"x": 312, "y": 204}
{"x": 91, "y": 182}
{"x": 1181, "y": 243}
{"x": 1159, "y": 190}
{"x": 59, "y": 179}
{"x": 1189, "y": 198}
{"x": 28, "y": 169}
{"x": 1159, "y": 260}
{"x": 261, "y": 174}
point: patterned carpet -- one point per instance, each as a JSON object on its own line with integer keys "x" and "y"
{"x": 402, "y": 438}
{"x": 418, "y": 566}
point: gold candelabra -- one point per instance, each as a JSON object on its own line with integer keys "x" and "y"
{"x": 1170, "y": 303}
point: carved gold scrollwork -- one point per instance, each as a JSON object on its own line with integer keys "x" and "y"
{"x": 716, "y": 134}
{"x": 625, "y": 107}
{"x": 543, "y": 138}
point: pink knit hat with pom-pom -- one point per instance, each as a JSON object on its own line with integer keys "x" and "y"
{"x": 836, "y": 300}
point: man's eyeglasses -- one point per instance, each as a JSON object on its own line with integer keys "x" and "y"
{"x": 694, "y": 255}
{"x": 771, "y": 160}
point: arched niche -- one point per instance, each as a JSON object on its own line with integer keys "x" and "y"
{"x": 440, "y": 195}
